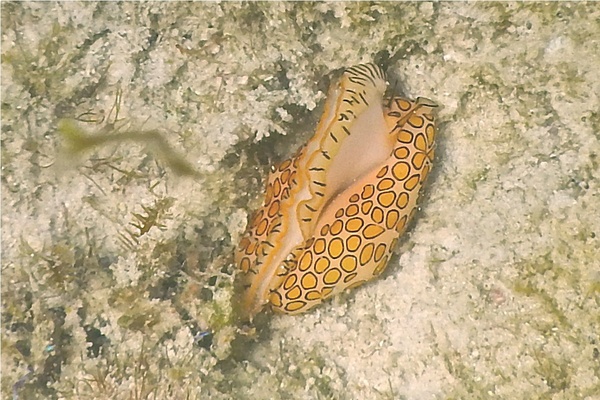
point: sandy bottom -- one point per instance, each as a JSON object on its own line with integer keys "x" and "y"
{"x": 117, "y": 267}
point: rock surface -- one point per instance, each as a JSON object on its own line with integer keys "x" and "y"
{"x": 117, "y": 275}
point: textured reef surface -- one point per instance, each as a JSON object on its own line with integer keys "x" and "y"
{"x": 119, "y": 226}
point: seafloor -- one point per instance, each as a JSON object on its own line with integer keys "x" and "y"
{"x": 117, "y": 269}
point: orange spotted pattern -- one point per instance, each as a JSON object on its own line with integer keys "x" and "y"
{"x": 352, "y": 239}
{"x": 265, "y": 222}
{"x": 355, "y": 243}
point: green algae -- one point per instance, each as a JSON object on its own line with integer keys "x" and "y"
{"x": 127, "y": 293}
{"x": 79, "y": 141}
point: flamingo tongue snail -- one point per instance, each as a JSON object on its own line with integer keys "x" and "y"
{"x": 333, "y": 212}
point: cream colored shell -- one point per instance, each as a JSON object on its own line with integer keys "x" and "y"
{"x": 333, "y": 212}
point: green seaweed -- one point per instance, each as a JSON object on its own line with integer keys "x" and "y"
{"x": 78, "y": 141}
{"x": 555, "y": 372}
{"x": 117, "y": 340}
